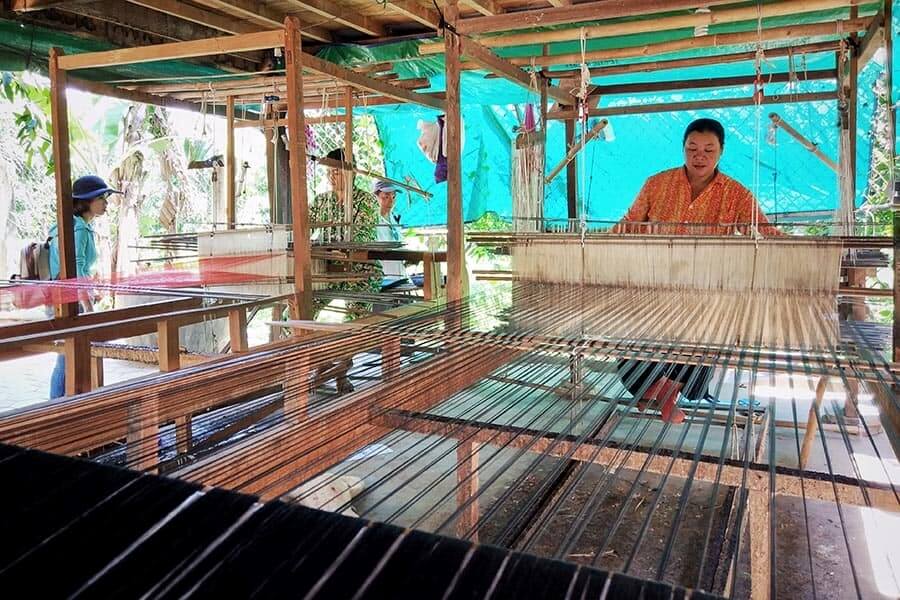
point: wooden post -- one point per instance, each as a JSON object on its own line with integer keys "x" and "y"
{"x": 455, "y": 233}
{"x": 142, "y": 433}
{"x": 78, "y": 365}
{"x": 277, "y": 315}
{"x": 237, "y": 330}
{"x": 895, "y": 183}
{"x": 183, "y": 434}
{"x": 293, "y": 60}
{"x": 230, "y": 168}
{"x": 167, "y": 341}
{"x": 59, "y": 117}
{"x": 760, "y": 547}
{"x": 390, "y": 357}
{"x": 467, "y": 478}
{"x": 96, "y": 372}
{"x": 348, "y": 125}
{"x": 571, "y": 172}
{"x": 271, "y": 179}
{"x": 283, "y": 179}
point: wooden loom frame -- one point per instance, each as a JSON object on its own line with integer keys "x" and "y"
{"x": 849, "y": 490}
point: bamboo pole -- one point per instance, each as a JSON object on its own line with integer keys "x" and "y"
{"x": 348, "y": 125}
{"x": 571, "y": 171}
{"x": 639, "y": 109}
{"x": 297, "y": 149}
{"x": 453, "y": 125}
{"x": 806, "y": 143}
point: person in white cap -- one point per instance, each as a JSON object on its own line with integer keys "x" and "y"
{"x": 387, "y": 230}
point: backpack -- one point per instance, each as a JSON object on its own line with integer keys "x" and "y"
{"x": 34, "y": 261}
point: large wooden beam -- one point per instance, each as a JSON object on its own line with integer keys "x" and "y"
{"x": 506, "y": 69}
{"x": 32, "y": 5}
{"x": 641, "y": 109}
{"x": 453, "y": 130}
{"x": 485, "y": 7}
{"x": 838, "y": 28}
{"x": 333, "y": 11}
{"x": 872, "y": 40}
{"x": 199, "y": 16}
{"x": 693, "y": 20}
{"x": 222, "y": 45}
{"x": 360, "y": 81}
{"x": 294, "y": 64}
{"x": 579, "y": 13}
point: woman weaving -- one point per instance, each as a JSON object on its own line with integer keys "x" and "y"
{"x": 695, "y": 199}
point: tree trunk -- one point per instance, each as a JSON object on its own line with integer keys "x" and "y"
{"x": 128, "y": 177}
{"x": 172, "y": 167}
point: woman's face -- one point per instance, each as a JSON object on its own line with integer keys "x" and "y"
{"x": 702, "y": 152}
{"x": 97, "y": 207}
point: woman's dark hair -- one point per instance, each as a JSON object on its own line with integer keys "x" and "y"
{"x": 705, "y": 126}
{"x": 81, "y": 206}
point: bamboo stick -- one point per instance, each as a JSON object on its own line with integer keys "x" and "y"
{"x": 778, "y": 121}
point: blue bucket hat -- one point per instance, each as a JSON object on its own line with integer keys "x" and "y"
{"x": 89, "y": 187}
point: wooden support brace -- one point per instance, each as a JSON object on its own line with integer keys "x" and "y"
{"x": 814, "y": 148}
{"x": 96, "y": 372}
{"x": 573, "y": 150}
{"x": 812, "y": 422}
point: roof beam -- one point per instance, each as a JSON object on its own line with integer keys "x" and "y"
{"x": 837, "y": 28}
{"x": 697, "y": 84}
{"x": 330, "y": 10}
{"x": 415, "y": 11}
{"x": 257, "y": 12}
{"x": 564, "y": 13}
{"x": 699, "y": 19}
{"x": 506, "y": 69}
{"x": 30, "y": 5}
{"x": 186, "y": 12}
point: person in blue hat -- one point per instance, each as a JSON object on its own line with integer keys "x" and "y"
{"x": 89, "y": 196}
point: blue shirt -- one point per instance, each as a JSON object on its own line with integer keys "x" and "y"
{"x": 85, "y": 249}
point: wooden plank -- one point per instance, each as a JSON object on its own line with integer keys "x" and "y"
{"x": 506, "y": 69}
{"x": 96, "y": 371}
{"x": 485, "y": 7}
{"x": 169, "y": 350}
{"x": 640, "y": 109}
{"x": 263, "y": 40}
{"x": 59, "y": 117}
{"x": 698, "y": 61}
{"x": 453, "y": 124}
{"x": 334, "y": 12}
{"x": 187, "y": 12}
{"x": 666, "y": 23}
{"x": 415, "y": 11}
{"x": 230, "y": 165}
{"x": 364, "y": 82}
{"x": 579, "y": 13}
{"x": 142, "y": 433}
{"x": 257, "y": 12}
{"x": 838, "y": 28}
{"x": 294, "y": 64}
